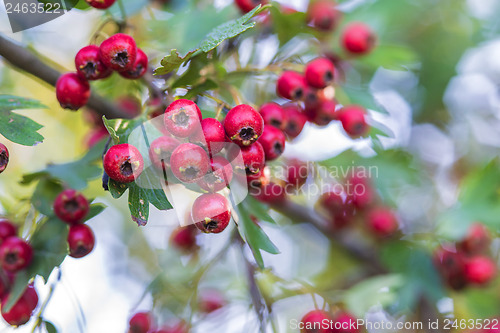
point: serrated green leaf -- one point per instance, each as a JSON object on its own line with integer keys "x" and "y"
{"x": 94, "y": 210}
{"x": 18, "y": 128}
{"x": 172, "y": 62}
{"x": 44, "y": 195}
{"x": 138, "y": 204}
{"x": 120, "y": 129}
{"x": 111, "y": 130}
{"x": 116, "y": 189}
{"x": 9, "y": 103}
{"x": 230, "y": 29}
{"x": 258, "y": 209}
{"x": 287, "y": 26}
{"x": 150, "y": 182}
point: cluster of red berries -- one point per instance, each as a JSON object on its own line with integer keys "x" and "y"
{"x": 117, "y": 53}
{"x": 4, "y": 157}
{"x": 357, "y": 197}
{"x": 142, "y": 322}
{"x": 313, "y": 90}
{"x": 467, "y": 262}
{"x": 318, "y": 321}
{"x": 71, "y": 207}
{"x": 15, "y": 255}
{"x": 100, "y": 4}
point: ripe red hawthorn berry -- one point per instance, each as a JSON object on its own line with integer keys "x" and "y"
{"x": 4, "y": 157}
{"x": 477, "y": 239}
{"x": 382, "y": 222}
{"x": 248, "y": 5}
{"x": 219, "y": 175}
{"x": 123, "y": 163}
{"x": 21, "y": 311}
{"x": 253, "y": 157}
{"x": 451, "y": 266}
{"x": 15, "y": 254}
{"x": 160, "y": 151}
{"x": 274, "y": 115}
{"x": 323, "y": 15}
{"x": 140, "y": 323}
{"x": 182, "y": 118}
{"x": 273, "y": 142}
{"x": 314, "y": 322}
{"x": 71, "y": 206}
{"x": 319, "y": 73}
{"x": 296, "y": 120}
{"x": 256, "y": 181}
{"x": 297, "y": 172}
{"x": 479, "y": 270}
{"x": 118, "y": 52}
{"x": 338, "y": 206}
{"x": 346, "y": 323}
{"x": 189, "y": 162}
{"x": 212, "y": 136}
{"x": 81, "y": 240}
{"x": 89, "y": 65}
{"x": 291, "y": 85}
{"x": 7, "y": 229}
{"x": 323, "y": 113}
{"x": 211, "y": 213}
{"x": 353, "y": 119}
{"x": 100, "y": 4}
{"x": 243, "y": 125}
{"x": 184, "y": 238}
{"x": 270, "y": 193}
{"x": 72, "y": 91}
{"x": 139, "y": 67}
{"x": 358, "y": 38}
{"x": 360, "y": 190}
{"x": 210, "y": 301}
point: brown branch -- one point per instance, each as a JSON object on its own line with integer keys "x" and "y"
{"x": 24, "y": 60}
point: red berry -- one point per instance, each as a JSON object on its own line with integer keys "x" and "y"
{"x": 248, "y": 5}
{"x": 131, "y": 106}
{"x": 21, "y": 311}
{"x": 7, "y": 229}
{"x": 360, "y": 190}
{"x": 81, "y": 240}
{"x": 319, "y": 73}
{"x": 353, "y": 119}
{"x": 100, "y": 4}
{"x": 182, "y": 118}
{"x": 72, "y": 91}
{"x": 451, "y": 265}
{"x": 316, "y": 321}
{"x": 338, "y": 206}
{"x": 210, "y": 301}
{"x": 243, "y": 125}
{"x": 4, "y": 157}
{"x": 257, "y": 180}
{"x": 139, "y": 67}
{"x": 358, "y": 38}
{"x": 274, "y": 115}
{"x": 270, "y": 193}
{"x": 296, "y": 120}
{"x": 291, "y": 85}
{"x": 189, "y": 162}
{"x": 323, "y": 113}
{"x": 477, "y": 240}
{"x": 273, "y": 142}
{"x": 140, "y": 323}
{"x": 71, "y": 206}
{"x": 95, "y": 136}
{"x": 346, "y": 323}
{"x": 184, "y": 238}
{"x": 89, "y": 65}
{"x": 212, "y": 135}
{"x": 297, "y": 172}
{"x": 15, "y": 254}
{"x": 118, "y": 52}
{"x": 219, "y": 175}
{"x": 123, "y": 163}
{"x": 253, "y": 157}
{"x": 382, "y": 222}
{"x": 479, "y": 270}
{"x": 160, "y": 151}
{"x": 323, "y": 15}
{"x": 211, "y": 213}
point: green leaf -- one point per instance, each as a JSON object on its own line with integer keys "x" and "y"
{"x": 120, "y": 129}
{"x": 172, "y": 62}
{"x": 50, "y": 327}
{"x": 18, "y": 128}
{"x": 255, "y": 237}
{"x": 230, "y": 29}
{"x": 94, "y": 210}
{"x": 44, "y": 195}
{"x": 116, "y": 189}
{"x": 150, "y": 183}
{"x": 287, "y": 26}
{"x": 395, "y": 57}
{"x": 20, "y": 284}
{"x": 111, "y": 130}
{"x": 138, "y": 204}
{"x": 258, "y": 209}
